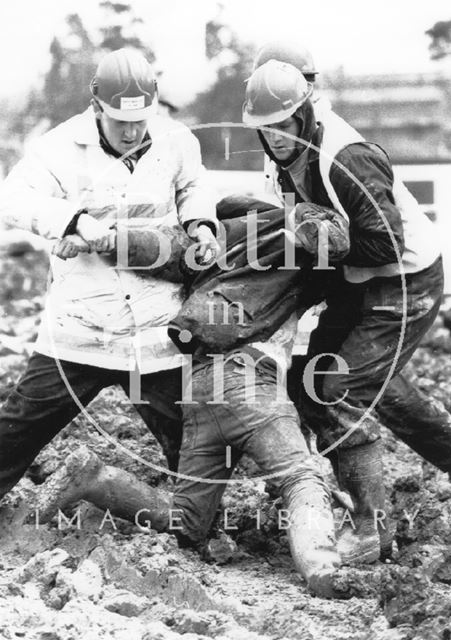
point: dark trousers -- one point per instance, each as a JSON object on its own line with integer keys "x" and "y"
{"x": 363, "y": 325}
{"x": 46, "y": 400}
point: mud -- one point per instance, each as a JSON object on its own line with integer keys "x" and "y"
{"x": 96, "y": 578}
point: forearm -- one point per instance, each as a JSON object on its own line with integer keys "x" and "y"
{"x": 195, "y": 197}
{"x": 47, "y": 217}
{"x": 31, "y": 199}
{"x": 375, "y": 244}
{"x": 195, "y": 202}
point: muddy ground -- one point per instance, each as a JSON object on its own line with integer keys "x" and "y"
{"x": 109, "y": 579}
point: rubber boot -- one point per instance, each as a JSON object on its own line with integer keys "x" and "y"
{"x": 366, "y": 536}
{"x": 84, "y": 476}
{"x": 311, "y": 537}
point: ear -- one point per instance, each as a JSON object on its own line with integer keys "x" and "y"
{"x": 97, "y": 108}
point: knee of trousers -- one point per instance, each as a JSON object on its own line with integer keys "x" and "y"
{"x": 335, "y": 388}
{"x": 192, "y": 514}
{"x": 349, "y": 424}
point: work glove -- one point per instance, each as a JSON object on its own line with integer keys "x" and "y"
{"x": 309, "y": 218}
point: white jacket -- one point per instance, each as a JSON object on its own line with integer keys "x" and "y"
{"x": 96, "y": 314}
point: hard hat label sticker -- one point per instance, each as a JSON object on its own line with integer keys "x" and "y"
{"x": 133, "y": 103}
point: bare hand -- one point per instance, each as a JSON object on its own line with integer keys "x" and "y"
{"x": 319, "y": 308}
{"x": 70, "y": 246}
{"x": 208, "y": 247}
{"x": 99, "y": 235}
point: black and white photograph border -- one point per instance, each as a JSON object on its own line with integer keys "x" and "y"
{"x": 343, "y": 528}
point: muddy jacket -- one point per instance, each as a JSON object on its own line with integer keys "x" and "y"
{"x": 96, "y": 314}
{"x": 356, "y": 178}
{"x": 245, "y": 297}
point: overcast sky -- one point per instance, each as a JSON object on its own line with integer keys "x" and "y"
{"x": 362, "y": 35}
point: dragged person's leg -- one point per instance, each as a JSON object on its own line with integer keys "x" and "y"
{"x": 272, "y": 438}
{"x": 205, "y": 466}
{"x": 258, "y": 419}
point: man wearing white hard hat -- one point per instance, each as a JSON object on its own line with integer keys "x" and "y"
{"x": 369, "y": 324}
{"x": 76, "y": 186}
{"x": 300, "y": 57}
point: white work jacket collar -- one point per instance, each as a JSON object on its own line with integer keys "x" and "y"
{"x": 85, "y": 130}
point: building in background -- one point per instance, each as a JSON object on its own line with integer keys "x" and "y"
{"x": 409, "y": 115}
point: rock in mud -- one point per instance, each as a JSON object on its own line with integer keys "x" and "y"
{"x": 87, "y": 580}
{"x": 159, "y": 631}
{"x": 43, "y": 567}
{"x": 126, "y": 604}
{"x": 222, "y": 549}
{"x": 189, "y": 621}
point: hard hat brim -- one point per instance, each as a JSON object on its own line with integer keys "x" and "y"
{"x": 130, "y": 115}
{"x": 271, "y": 118}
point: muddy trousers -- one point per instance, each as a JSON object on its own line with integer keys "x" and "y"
{"x": 216, "y": 434}
{"x": 365, "y": 325}
{"x": 46, "y": 399}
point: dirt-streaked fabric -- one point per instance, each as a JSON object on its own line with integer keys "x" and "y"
{"x": 95, "y": 313}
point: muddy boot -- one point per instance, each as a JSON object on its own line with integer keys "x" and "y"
{"x": 360, "y": 473}
{"x": 84, "y": 476}
{"x": 131, "y": 499}
{"x": 69, "y": 484}
{"x": 311, "y": 537}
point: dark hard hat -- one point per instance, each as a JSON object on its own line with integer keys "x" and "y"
{"x": 290, "y": 52}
